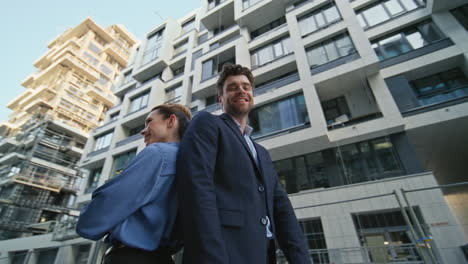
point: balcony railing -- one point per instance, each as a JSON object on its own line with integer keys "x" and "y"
{"x": 212, "y": 108}
{"x": 65, "y": 230}
{"x": 277, "y": 84}
{"x": 128, "y": 140}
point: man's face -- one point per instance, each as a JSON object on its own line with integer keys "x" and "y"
{"x": 237, "y": 98}
{"x": 156, "y": 128}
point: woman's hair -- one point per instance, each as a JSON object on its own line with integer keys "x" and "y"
{"x": 182, "y": 113}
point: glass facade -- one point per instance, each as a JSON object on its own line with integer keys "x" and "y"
{"x": 121, "y": 161}
{"x": 330, "y": 50}
{"x": 103, "y": 141}
{"x": 385, "y": 10}
{"x": 461, "y": 14}
{"x": 173, "y": 94}
{"x": 271, "y": 52}
{"x": 211, "y": 67}
{"x": 153, "y": 46}
{"x": 441, "y": 87}
{"x": 318, "y": 19}
{"x": 279, "y": 116}
{"x": 411, "y": 38}
{"x": 359, "y": 162}
{"x": 270, "y": 26}
{"x": 93, "y": 179}
{"x": 139, "y": 102}
{"x": 313, "y": 232}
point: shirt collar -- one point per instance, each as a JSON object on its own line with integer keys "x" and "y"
{"x": 248, "y": 129}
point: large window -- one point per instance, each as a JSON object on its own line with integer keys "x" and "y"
{"x": 330, "y": 50}
{"x": 103, "y": 141}
{"x": 461, "y": 14}
{"x": 248, "y": 3}
{"x": 278, "y": 116}
{"x": 264, "y": 29}
{"x": 18, "y": 257}
{"x": 152, "y": 47}
{"x": 335, "y": 108}
{"x": 138, "y": 102}
{"x": 315, "y": 237}
{"x": 189, "y": 25}
{"x": 271, "y": 52}
{"x": 93, "y": 179}
{"x": 121, "y": 161}
{"x": 441, "y": 87}
{"x": 173, "y": 94}
{"x": 212, "y": 66}
{"x": 353, "y": 163}
{"x": 386, "y": 236}
{"x": 318, "y": 19}
{"x": 180, "y": 48}
{"x": 46, "y": 256}
{"x": 409, "y": 39}
{"x": 82, "y": 253}
{"x": 385, "y": 10}
{"x": 127, "y": 77}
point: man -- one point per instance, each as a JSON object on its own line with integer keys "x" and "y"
{"x": 233, "y": 206}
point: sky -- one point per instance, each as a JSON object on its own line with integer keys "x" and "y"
{"x": 28, "y": 26}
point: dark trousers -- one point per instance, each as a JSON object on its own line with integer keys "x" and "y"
{"x": 126, "y": 255}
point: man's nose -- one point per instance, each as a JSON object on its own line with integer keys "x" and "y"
{"x": 143, "y": 132}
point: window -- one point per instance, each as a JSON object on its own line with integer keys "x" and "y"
{"x": 93, "y": 179}
{"x": 180, "y": 48}
{"x": 178, "y": 71}
{"x": 248, "y": 3}
{"x": 387, "y": 236}
{"x": 128, "y": 77}
{"x": 103, "y": 141}
{"x": 441, "y": 87}
{"x": 385, "y": 10}
{"x": 173, "y": 94}
{"x": 90, "y": 58}
{"x": 106, "y": 70}
{"x": 214, "y": 3}
{"x": 94, "y": 48}
{"x": 121, "y": 161}
{"x": 18, "y": 257}
{"x": 270, "y": 26}
{"x": 153, "y": 46}
{"x": 461, "y": 14}
{"x": 114, "y": 116}
{"x": 102, "y": 80}
{"x": 330, "y": 50}
{"x": 318, "y": 19}
{"x": 409, "y": 39}
{"x": 315, "y": 237}
{"x": 136, "y": 130}
{"x": 348, "y": 164}
{"x": 278, "y": 116}
{"x": 138, "y": 102}
{"x": 82, "y": 253}
{"x": 211, "y": 100}
{"x": 189, "y": 25}
{"x": 335, "y": 108}
{"x": 211, "y": 67}
{"x": 271, "y": 52}
{"x": 46, "y": 256}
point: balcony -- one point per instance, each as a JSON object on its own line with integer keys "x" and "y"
{"x": 12, "y": 158}
{"x": 7, "y": 143}
{"x": 128, "y": 140}
{"x": 212, "y": 108}
{"x": 81, "y": 67}
{"x": 65, "y": 230}
{"x": 251, "y": 13}
{"x": 42, "y": 91}
{"x": 276, "y": 83}
{"x": 120, "y": 54}
{"x": 220, "y": 13}
{"x": 96, "y": 92}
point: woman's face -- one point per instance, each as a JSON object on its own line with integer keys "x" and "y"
{"x": 157, "y": 129}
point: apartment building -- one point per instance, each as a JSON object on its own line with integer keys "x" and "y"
{"x": 362, "y": 105}
{"x": 44, "y": 138}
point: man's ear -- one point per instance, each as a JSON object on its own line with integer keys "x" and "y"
{"x": 220, "y": 99}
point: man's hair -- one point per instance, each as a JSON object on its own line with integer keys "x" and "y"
{"x": 233, "y": 70}
{"x": 181, "y": 112}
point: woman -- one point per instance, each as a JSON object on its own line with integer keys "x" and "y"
{"x": 137, "y": 208}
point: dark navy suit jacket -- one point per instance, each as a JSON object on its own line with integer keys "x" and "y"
{"x": 224, "y": 195}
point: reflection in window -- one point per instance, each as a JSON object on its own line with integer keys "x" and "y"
{"x": 385, "y": 10}
{"x": 277, "y": 116}
{"x": 441, "y": 87}
{"x": 103, "y": 141}
{"x": 408, "y": 39}
{"x": 138, "y": 102}
{"x": 93, "y": 179}
{"x": 318, "y": 19}
{"x": 330, "y": 50}
{"x": 153, "y": 47}
{"x": 461, "y": 14}
{"x": 121, "y": 161}
{"x": 271, "y": 52}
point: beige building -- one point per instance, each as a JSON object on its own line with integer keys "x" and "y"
{"x": 44, "y": 139}
{"x": 355, "y": 101}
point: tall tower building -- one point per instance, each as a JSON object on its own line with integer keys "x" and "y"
{"x": 44, "y": 139}
{"x": 362, "y": 105}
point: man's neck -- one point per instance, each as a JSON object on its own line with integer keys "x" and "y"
{"x": 241, "y": 120}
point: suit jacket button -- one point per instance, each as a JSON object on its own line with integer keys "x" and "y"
{"x": 261, "y": 188}
{"x": 263, "y": 221}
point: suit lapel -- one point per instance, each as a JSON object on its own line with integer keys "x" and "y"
{"x": 232, "y": 125}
